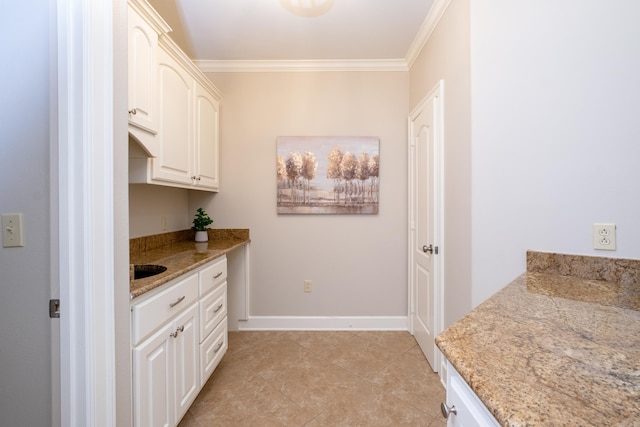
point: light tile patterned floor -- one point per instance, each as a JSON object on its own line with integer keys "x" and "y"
{"x": 320, "y": 379}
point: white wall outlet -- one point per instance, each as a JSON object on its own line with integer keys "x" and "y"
{"x": 604, "y": 237}
{"x": 307, "y": 286}
{"x": 163, "y": 222}
{"x": 12, "y": 230}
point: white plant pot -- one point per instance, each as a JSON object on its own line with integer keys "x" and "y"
{"x": 202, "y": 236}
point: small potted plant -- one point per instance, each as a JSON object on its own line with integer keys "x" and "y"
{"x": 200, "y": 225}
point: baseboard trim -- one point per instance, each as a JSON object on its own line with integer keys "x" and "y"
{"x": 328, "y": 323}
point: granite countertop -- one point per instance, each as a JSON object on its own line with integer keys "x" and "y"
{"x": 560, "y": 345}
{"x": 180, "y": 254}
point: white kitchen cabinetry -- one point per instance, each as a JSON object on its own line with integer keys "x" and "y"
{"x": 185, "y": 148}
{"x": 144, "y": 26}
{"x": 179, "y": 335}
{"x": 213, "y": 317}
{"x": 465, "y": 408}
{"x": 174, "y": 161}
{"x": 206, "y": 154}
{"x": 166, "y": 356}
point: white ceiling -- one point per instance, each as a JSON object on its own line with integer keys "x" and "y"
{"x": 219, "y": 32}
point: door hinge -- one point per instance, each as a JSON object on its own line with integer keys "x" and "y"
{"x": 54, "y": 308}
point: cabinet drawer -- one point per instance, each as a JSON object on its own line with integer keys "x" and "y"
{"x": 212, "y": 350}
{"x": 213, "y": 308}
{"x": 151, "y": 313}
{"x": 212, "y": 276}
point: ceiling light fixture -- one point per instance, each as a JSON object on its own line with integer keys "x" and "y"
{"x": 307, "y": 8}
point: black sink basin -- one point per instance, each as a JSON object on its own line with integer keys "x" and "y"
{"x": 140, "y": 271}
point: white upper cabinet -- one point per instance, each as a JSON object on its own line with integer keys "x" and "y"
{"x": 144, "y": 26}
{"x": 174, "y": 160}
{"x": 174, "y": 110}
{"x": 207, "y": 110}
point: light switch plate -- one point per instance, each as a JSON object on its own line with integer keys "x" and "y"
{"x": 12, "y": 230}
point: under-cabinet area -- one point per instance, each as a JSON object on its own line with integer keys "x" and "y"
{"x": 179, "y": 335}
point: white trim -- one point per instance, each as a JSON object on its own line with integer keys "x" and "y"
{"x": 436, "y": 12}
{"x": 215, "y": 66}
{"x": 85, "y": 217}
{"x": 325, "y": 323}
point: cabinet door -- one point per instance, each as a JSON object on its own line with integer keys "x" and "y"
{"x": 206, "y": 140}
{"x": 186, "y": 360}
{"x": 470, "y": 411}
{"x": 153, "y": 380}
{"x": 173, "y": 163}
{"x": 143, "y": 45}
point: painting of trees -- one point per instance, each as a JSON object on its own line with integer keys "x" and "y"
{"x": 328, "y": 175}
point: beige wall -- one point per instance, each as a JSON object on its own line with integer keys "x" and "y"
{"x": 357, "y": 262}
{"x": 555, "y": 134}
{"x": 149, "y": 203}
{"x": 446, "y": 56}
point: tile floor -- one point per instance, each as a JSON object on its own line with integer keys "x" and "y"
{"x": 312, "y": 379}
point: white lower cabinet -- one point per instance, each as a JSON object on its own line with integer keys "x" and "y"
{"x": 464, "y": 408}
{"x": 211, "y": 351}
{"x": 213, "y": 317}
{"x": 186, "y": 361}
{"x": 153, "y": 381}
{"x": 166, "y": 367}
{"x": 179, "y": 335}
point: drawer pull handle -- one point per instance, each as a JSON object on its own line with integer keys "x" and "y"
{"x": 218, "y": 308}
{"x": 217, "y": 275}
{"x": 177, "y": 331}
{"x": 446, "y": 411}
{"x": 218, "y": 347}
{"x": 176, "y": 302}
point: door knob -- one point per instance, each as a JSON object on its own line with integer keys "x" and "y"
{"x": 427, "y": 249}
{"x": 446, "y": 411}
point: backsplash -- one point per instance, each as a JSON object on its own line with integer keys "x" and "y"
{"x": 139, "y": 245}
{"x": 618, "y": 270}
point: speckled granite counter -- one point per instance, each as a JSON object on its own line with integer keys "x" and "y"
{"x": 179, "y": 253}
{"x": 559, "y": 346}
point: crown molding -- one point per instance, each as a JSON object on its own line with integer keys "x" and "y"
{"x": 250, "y": 66}
{"x": 433, "y": 17}
{"x": 214, "y": 66}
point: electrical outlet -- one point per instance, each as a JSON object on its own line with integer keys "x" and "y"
{"x": 163, "y": 222}
{"x": 307, "y": 286}
{"x": 12, "y": 230}
{"x": 604, "y": 237}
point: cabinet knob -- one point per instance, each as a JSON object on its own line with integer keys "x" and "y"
{"x": 133, "y": 112}
{"x": 446, "y": 411}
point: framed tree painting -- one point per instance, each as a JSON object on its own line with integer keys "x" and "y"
{"x": 328, "y": 174}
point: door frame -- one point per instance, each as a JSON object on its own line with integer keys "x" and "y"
{"x": 86, "y": 99}
{"x": 436, "y": 95}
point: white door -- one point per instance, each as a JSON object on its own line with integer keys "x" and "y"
{"x": 424, "y": 206}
